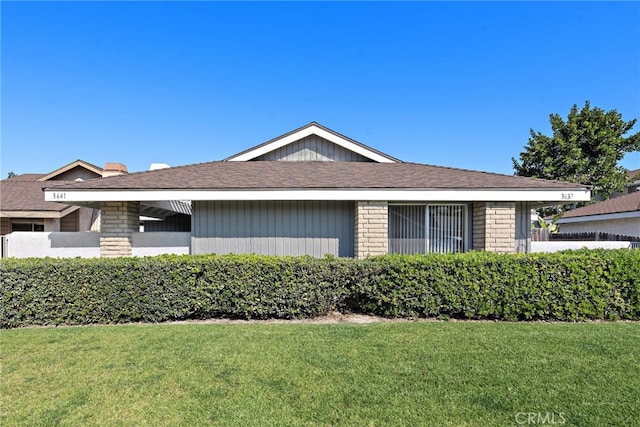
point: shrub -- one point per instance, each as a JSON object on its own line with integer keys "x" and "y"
{"x": 567, "y": 286}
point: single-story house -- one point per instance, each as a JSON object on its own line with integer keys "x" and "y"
{"x": 314, "y": 191}
{"x": 618, "y": 215}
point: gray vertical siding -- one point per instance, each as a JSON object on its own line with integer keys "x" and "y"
{"x": 313, "y": 148}
{"x": 523, "y": 227}
{"x": 273, "y": 227}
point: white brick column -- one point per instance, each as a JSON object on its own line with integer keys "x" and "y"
{"x": 371, "y": 229}
{"x": 494, "y": 226}
{"x": 119, "y": 220}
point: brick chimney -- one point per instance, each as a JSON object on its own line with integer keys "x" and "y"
{"x": 113, "y": 169}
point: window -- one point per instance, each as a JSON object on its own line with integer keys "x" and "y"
{"x": 26, "y": 226}
{"x": 416, "y": 229}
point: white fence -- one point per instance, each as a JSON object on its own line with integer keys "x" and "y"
{"x": 87, "y": 244}
{"x": 555, "y": 246}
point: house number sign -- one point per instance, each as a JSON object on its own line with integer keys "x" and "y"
{"x": 58, "y": 196}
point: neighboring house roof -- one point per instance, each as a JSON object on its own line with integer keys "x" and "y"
{"x": 628, "y": 204}
{"x": 634, "y": 179}
{"x": 76, "y": 164}
{"x": 22, "y": 196}
{"x": 312, "y": 128}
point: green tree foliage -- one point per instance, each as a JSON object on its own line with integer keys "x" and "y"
{"x": 11, "y": 174}
{"x": 585, "y": 149}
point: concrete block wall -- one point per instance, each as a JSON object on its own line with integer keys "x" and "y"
{"x": 371, "y": 228}
{"x": 494, "y": 226}
{"x": 119, "y": 220}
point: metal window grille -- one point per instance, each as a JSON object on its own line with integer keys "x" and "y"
{"x": 415, "y": 229}
{"x": 407, "y": 231}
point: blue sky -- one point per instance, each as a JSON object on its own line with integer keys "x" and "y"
{"x": 453, "y": 84}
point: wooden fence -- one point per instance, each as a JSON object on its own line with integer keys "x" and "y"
{"x": 543, "y": 235}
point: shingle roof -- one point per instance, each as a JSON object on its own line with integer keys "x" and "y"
{"x": 626, "y": 203}
{"x": 25, "y": 177}
{"x": 24, "y": 193}
{"x": 265, "y": 175}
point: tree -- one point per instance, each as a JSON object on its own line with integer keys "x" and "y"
{"x": 584, "y": 149}
{"x": 11, "y": 174}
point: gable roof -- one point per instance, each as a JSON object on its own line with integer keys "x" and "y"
{"x": 76, "y": 164}
{"x": 620, "y": 204}
{"x": 384, "y": 178}
{"x": 312, "y": 128}
{"x": 21, "y": 195}
{"x": 268, "y": 180}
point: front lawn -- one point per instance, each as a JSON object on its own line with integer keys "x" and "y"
{"x": 380, "y": 374}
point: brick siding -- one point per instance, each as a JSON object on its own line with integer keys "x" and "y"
{"x": 494, "y": 226}
{"x": 371, "y": 229}
{"x": 119, "y": 220}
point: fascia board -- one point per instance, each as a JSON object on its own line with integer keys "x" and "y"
{"x": 602, "y": 217}
{"x": 38, "y": 214}
{"x": 372, "y": 195}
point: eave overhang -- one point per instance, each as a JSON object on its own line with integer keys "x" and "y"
{"x": 568, "y": 195}
{"x": 39, "y": 214}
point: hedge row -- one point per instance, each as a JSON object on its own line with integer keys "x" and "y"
{"x": 566, "y": 286}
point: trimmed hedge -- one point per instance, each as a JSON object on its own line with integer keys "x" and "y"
{"x": 566, "y": 286}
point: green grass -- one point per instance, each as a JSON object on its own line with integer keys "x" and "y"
{"x": 422, "y": 373}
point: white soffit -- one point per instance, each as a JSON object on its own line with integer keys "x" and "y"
{"x": 370, "y": 195}
{"x": 303, "y": 133}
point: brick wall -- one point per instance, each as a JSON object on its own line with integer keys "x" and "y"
{"x": 494, "y": 226}
{"x": 478, "y": 226}
{"x": 371, "y": 229}
{"x": 119, "y": 220}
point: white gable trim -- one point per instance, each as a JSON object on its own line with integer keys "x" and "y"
{"x": 311, "y": 130}
{"x": 65, "y": 168}
{"x": 371, "y": 195}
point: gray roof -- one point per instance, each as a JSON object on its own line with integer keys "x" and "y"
{"x": 24, "y": 193}
{"x": 271, "y": 175}
{"x": 620, "y": 204}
